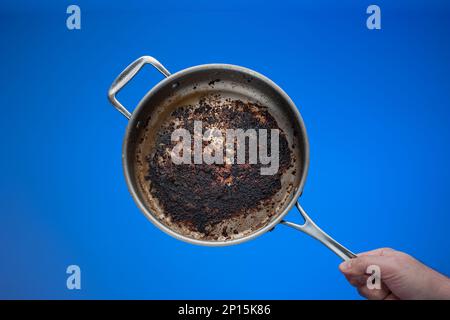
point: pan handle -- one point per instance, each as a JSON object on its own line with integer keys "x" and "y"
{"x": 126, "y": 75}
{"x": 310, "y": 228}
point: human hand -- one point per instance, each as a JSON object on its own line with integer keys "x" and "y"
{"x": 402, "y": 276}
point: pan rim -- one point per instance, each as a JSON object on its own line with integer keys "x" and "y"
{"x": 130, "y": 181}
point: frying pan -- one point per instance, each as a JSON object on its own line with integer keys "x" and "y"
{"x": 229, "y": 81}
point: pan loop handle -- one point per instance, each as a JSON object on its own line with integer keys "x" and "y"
{"x": 126, "y": 75}
{"x": 311, "y": 229}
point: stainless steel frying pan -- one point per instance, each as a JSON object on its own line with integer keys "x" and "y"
{"x": 229, "y": 81}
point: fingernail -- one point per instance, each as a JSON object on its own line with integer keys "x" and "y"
{"x": 346, "y": 265}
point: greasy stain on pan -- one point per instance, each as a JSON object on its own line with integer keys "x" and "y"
{"x": 212, "y": 201}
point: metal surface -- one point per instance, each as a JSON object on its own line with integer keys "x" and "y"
{"x": 310, "y": 228}
{"x": 236, "y": 80}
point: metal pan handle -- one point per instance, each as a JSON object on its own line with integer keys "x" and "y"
{"x": 310, "y": 228}
{"x": 126, "y": 75}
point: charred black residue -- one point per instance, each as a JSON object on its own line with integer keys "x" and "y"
{"x": 213, "y": 82}
{"x": 201, "y": 195}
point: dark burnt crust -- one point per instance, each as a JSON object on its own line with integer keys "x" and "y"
{"x": 200, "y": 195}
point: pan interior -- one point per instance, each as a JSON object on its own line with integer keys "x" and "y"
{"x": 189, "y": 88}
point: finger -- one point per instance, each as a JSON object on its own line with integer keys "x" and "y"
{"x": 374, "y": 293}
{"x": 357, "y": 280}
{"x": 361, "y": 283}
{"x": 391, "y": 296}
{"x": 371, "y": 291}
{"x": 377, "y": 252}
{"x": 359, "y": 265}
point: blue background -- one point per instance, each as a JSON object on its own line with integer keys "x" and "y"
{"x": 376, "y": 106}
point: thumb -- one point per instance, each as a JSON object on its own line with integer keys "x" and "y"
{"x": 357, "y": 272}
{"x": 359, "y": 266}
